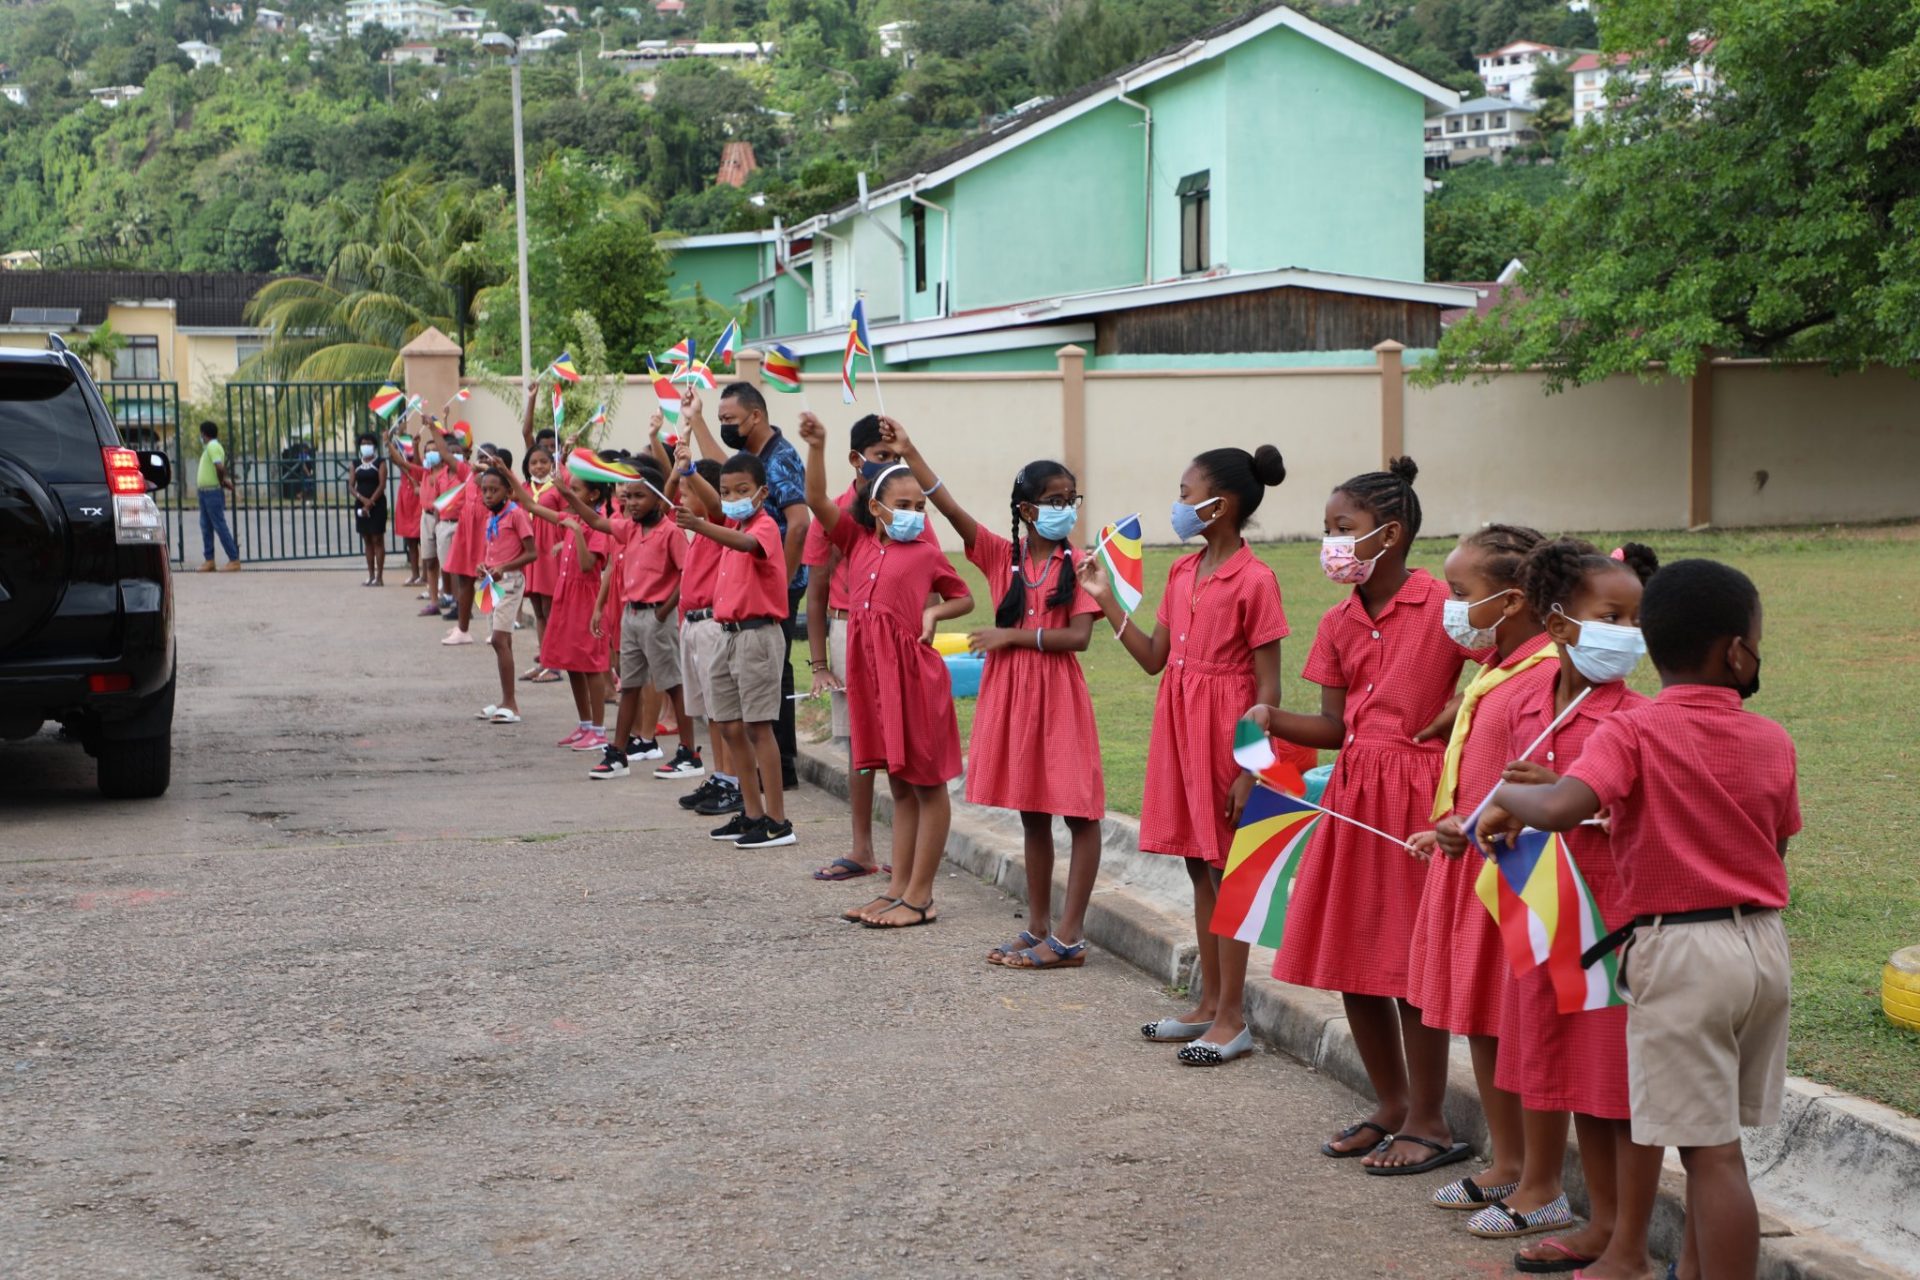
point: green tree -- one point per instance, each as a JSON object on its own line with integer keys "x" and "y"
{"x": 1779, "y": 218}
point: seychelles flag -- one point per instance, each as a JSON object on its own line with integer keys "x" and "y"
{"x": 563, "y": 368}
{"x": 1261, "y": 865}
{"x": 682, "y": 355}
{"x": 559, "y": 406}
{"x": 723, "y": 349}
{"x": 698, "y": 374}
{"x": 849, "y": 370}
{"x": 387, "y": 401}
{"x": 857, "y": 331}
{"x": 599, "y": 418}
{"x": 484, "y": 597}
{"x": 589, "y": 465}
{"x": 1547, "y": 916}
{"x": 781, "y": 369}
{"x": 1125, "y": 560}
{"x": 664, "y": 394}
{"x": 445, "y": 500}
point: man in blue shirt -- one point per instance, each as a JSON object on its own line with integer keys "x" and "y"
{"x": 744, "y": 428}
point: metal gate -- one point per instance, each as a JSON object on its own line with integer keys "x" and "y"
{"x": 148, "y": 416}
{"x": 291, "y": 452}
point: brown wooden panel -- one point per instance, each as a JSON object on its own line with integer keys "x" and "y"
{"x": 1291, "y": 319}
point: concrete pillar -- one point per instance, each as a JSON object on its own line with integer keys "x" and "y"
{"x": 746, "y": 368}
{"x": 1393, "y": 400}
{"x": 431, "y": 364}
{"x": 1073, "y": 417}
{"x": 1700, "y": 444}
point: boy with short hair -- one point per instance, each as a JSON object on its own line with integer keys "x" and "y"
{"x": 701, "y": 640}
{"x": 506, "y": 550}
{"x": 750, "y": 603}
{"x": 215, "y": 483}
{"x": 1702, "y": 797}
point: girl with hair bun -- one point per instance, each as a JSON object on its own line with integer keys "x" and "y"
{"x": 1589, "y": 604}
{"x": 1386, "y": 671}
{"x": 1035, "y": 746}
{"x": 1216, "y": 648}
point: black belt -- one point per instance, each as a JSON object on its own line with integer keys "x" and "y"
{"x": 749, "y": 624}
{"x": 699, "y": 615}
{"x": 1591, "y": 956}
{"x": 645, "y": 604}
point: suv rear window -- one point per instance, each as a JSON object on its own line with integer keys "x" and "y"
{"x": 45, "y": 423}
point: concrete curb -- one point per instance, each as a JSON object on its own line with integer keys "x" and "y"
{"x": 1809, "y": 1173}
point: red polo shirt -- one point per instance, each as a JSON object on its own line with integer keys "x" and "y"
{"x": 1702, "y": 794}
{"x": 747, "y": 585}
{"x": 651, "y": 557}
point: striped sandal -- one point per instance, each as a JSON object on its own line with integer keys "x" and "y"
{"x": 1468, "y": 1194}
{"x": 1498, "y": 1222}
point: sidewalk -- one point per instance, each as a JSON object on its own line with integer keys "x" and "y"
{"x": 1838, "y": 1181}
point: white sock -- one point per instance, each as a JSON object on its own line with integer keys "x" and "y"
{"x": 584, "y": 726}
{"x": 726, "y": 778}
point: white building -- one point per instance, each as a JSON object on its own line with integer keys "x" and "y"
{"x": 1593, "y": 72}
{"x": 1485, "y": 128}
{"x": 14, "y": 93}
{"x": 199, "y": 53}
{"x": 414, "y": 52}
{"x": 542, "y": 40}
{"x": 128, "y": 6}
{"x": 465, "y": 20}
{"x": 234, "y": 14}
{"x": 1509, "y": 70}
{"x": 115, "y": 95}
{"x": 893, "y": 38}
{"x": 414, "y": 19}
{"x": 270, "y": 20}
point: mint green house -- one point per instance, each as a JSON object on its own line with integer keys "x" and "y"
{"x": 1253, "y": 197}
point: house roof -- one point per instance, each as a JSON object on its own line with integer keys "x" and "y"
{"x": 1523, "y": 46}
{"x": 202, "y": 299}
{"x": 1175, "y": 58}
{"x": 1490, "y": 104}
{"x": 1593, "y": 61}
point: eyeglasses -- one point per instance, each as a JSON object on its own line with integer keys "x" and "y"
{"x": 1059, "y": 503}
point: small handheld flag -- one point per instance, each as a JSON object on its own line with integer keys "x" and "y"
{"x": 1547, "y": 916}
{"x": 463, "y": 395}
{"x": 681, "y": 355}
{"x": 484, "y": 596}
{"x": 781, "y": 369}
{"x": 698, "y": 374}
{"x": 461, "y": 433}
{"x": 559, "y": 406}
{"x": 387, "y": 401}
{"x": 599, "y": 418}
{"x": 1121, "y": 552}
{"x": 1253, "y": 751}
{"x": 1261, "y": 866}
{"x": 589, "y": 465}
{"x": 664, "y": 394}
{"x": 722, "y": 353}
{"x": 445, "y": 500}
{"x": 857, "y": 331}
{"x": 564, "y": 369}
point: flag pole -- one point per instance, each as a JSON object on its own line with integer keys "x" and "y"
{"x": 873, "y": 366}
{"x": 1473, "y": 818}
{"x": 1112, "y": 529}
{"x": 1398, "y": 842}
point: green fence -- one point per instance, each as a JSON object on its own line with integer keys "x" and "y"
{"x": 148, "y": 417}
{"x": 291, "y": 451}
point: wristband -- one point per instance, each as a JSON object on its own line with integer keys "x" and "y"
{"x": 1040, "y": 639}
{"x": 1121, "y": 630}
{"x": 938, "y": 485}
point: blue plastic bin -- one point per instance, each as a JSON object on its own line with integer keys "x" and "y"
{"x": 964, "y": 670}
{"x": 1317, "y": 782}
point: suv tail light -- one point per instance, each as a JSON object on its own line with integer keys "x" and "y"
{"x": 136, "y": 518}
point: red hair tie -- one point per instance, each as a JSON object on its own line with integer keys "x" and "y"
{"x": 1618, "y": 553}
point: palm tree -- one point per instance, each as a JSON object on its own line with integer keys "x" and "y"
{"x": 410, "y": 261}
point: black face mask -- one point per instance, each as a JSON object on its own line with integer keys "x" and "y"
{"x": 731, "y": 436}
{"x": 1752, "y": 684}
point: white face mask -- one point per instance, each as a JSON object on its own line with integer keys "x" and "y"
{"x": 366, "y": 451}
{"x": 1605, "y": 651}
{"x": 1460, "y": 629}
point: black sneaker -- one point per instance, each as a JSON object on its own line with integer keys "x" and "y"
{"x": 701, "y": 794}
{"x": 738, "y": 827}
{"x": 613, "y": 764}
{"x": 767, "y": 834}
{"x": 643, "y": 749}
{"x": 726, "y": 800}
{"x": 685, "y": 764}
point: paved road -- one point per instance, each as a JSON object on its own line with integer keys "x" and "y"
{"x": 380, "y": 990}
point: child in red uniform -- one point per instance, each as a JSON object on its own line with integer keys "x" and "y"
{"x": 1217, "y": 640}
{"x": 701, "y": 639}
{"x": 1035, "y": 747}
{"x": 1702, "y": 798}
{"x": 1386, "y": 672}
{"x": 543, "y": 575}
{"x": 900, "y": 700}
{"x": 650, "y": 556}
{"x": 1555, "y": 1062}
{"x": 572, "y": 642}
{"x": 406, "y": 505}
{"x": 433, "y": 475}
{"x": 1456, "y": 965}
{"x": 506, "y": 548}
{"x": 750, "y": 602}
{"x": 827, "y": 622}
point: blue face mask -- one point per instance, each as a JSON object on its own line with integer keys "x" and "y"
{"x": 433, "y": 457}
{"x": 1187, "y": 520}
{"x": 737, "y": 508}
{"x": 869, "y": 470}
{"x": 1055, "y": 523}
{"x": 905, "y": 526}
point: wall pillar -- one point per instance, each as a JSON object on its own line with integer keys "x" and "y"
{"x": 431, "y": 368}
{"x": 1393, "y": 400}
{"x": 1700, "y": 444}
{"x": 1073, "y": 417}
{"x": 746, "y": 368}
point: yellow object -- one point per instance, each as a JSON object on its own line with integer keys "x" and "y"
{"x": 948, "y": 643}
{"x": 1900, "y": 989}
{"x": 1491, "y": 676}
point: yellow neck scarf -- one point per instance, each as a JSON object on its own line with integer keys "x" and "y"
{"x": 1491, "y": 677}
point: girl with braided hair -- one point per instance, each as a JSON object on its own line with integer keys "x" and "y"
{"x": 1555, "y": 1062}
{"x": 1035, "y": 747}
{"x": 1456, "y": 962}
{"x": 1386, "y": 672}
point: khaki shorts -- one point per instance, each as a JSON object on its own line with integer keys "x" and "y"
{"x": 700, "y": 644}
{"x": 429, "y": 548}
{"x": 837, "y": 661}
{"x": 649, "y": 649}
{"x": 744, "y": 683}
{"x": 443, "y": 531}
{"x": 508, "y": 590}
{"x": 1706, "y": 1028}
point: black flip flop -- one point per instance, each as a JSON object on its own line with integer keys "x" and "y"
{"x": 1353, "y": 1131}
{"x": 924, "y": 919}
{"x": 1443, "y": 1156}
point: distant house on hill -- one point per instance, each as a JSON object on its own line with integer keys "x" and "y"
{"x": 1508, "y": 71}
{"x": 270, "y": 20}
{"x": 115, "y": 95}
{"x": 415, "y": 53}
{"x": 1251, "y": 196}
{"x": 1593, "y": 72}
{"x": 540, "y": 40}
{"x": 671, "y": 8}
{"x": 199, "y": 53}
{"x": 1481, "y": 129}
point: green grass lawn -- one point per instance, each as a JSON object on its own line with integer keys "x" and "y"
{"x": 1842, "y": 651}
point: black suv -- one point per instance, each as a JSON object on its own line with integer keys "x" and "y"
{"x": 86, "y": 596}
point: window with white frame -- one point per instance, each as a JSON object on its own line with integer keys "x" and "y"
{"x": 139, "y": 360}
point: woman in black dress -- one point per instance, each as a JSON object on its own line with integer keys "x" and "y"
{"x": 370, "y": 507}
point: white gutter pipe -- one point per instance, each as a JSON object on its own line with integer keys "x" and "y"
{"x": 1146, "y": 113}
{"x": 898, "y": 243}
{"x": 946, "y": 254}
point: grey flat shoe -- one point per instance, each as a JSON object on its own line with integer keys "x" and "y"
{"x": 1202, "y": 1054}
{"x": 1174, "y": 1031}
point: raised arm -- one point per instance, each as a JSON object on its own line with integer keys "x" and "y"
{"x": 824, "y": 508}
{"x": 526, "y": 419}
{"x": 734, "y": 539}
{"x": 938, "y": 494}
{"x": 588, "y": 516}
{"x": 693, "y": 417}
{"x": 696, "y": 484}
{"x": 656, "y": 446}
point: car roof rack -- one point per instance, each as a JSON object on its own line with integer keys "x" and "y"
{"x": 56, "y": 343}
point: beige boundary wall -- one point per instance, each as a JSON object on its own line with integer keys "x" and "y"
{"x": 1742, "y": 443}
